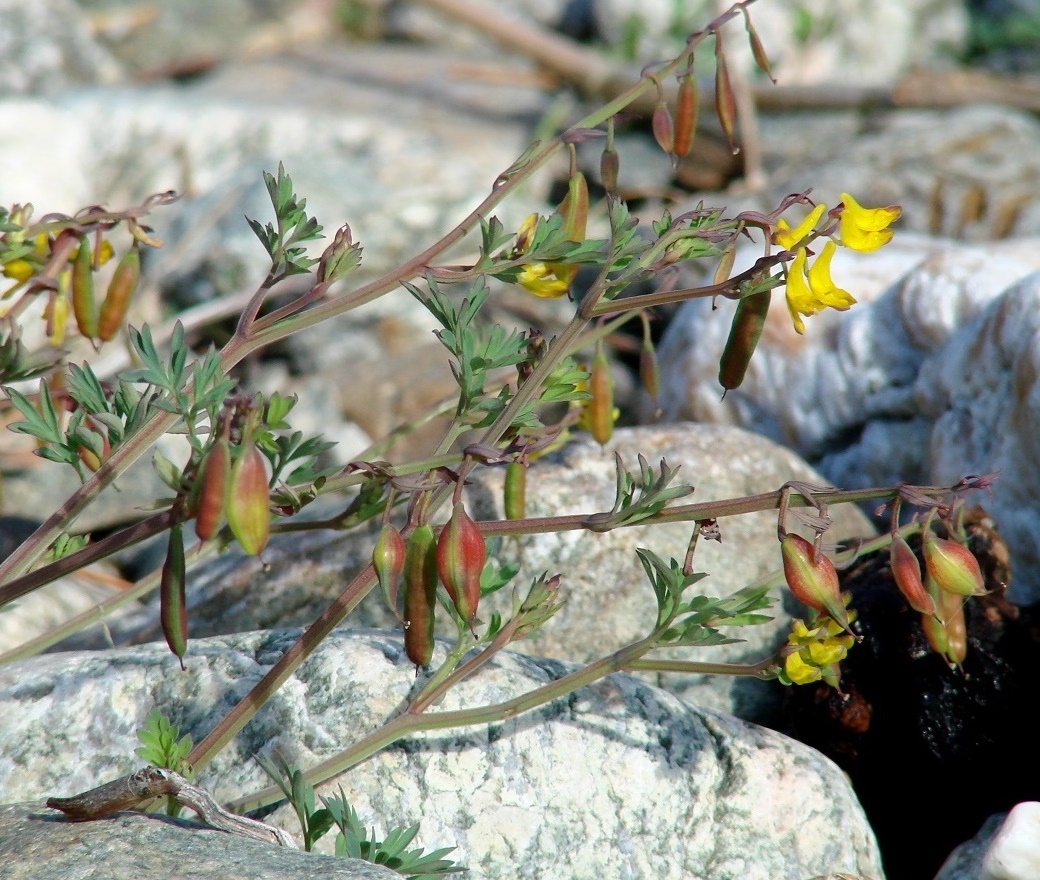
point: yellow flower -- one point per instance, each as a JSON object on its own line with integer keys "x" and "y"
{"x": 866, "y": 229}
{"x": 788, "y": 238}
{"x": 19, "y": 269}
{"x": 810, "y": 292}
{"x": 817, "y": 652}
{"x": 541, "y": 280}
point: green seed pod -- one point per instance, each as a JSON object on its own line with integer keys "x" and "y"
{"x": 461, "y": 554}
{"x": 952, "y": 566}
{"x": 120, "y": 291}
{"x": 173, "y": 608}
{"x": 420, "y": 595}
{"x": 84, "y": 302}
{"x": 748, "y": 322}
{"x": 212, "y": 483}
{"x": 948, "y": 636}
{"x": 685, "y": 115}
{"x": 248, "y": 501}
{"x": 388, "y": 557}
{"x": 515, "y": 491}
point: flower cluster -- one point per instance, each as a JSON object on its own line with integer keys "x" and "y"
{"x": 813, "y": 652}
{"x": 810, "y": 289}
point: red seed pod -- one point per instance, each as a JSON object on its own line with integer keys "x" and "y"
{"x": 248, "y": 501}
{"x": 461, "y": 554}
{"x": 120, "y": 291}
{"x": 685, "y": 115}
{"x": 906, "y": 571}
{"x": 420, "y": 595}
{"x": 173, "y": 608}
{"x": 388, "y": 561}
{"x": 515, "y": 491}
{"x": 952, "y": 566}
{"x": 813, "y": 582}
{"x": 662, "y": 127}
{"x": 212, "y": 482}
{"x": 748, "y": 322}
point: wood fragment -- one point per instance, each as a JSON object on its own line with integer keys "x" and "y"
{"x": 154, "y": 782}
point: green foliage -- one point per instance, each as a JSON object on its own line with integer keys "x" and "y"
{"x": 353, "y": 841}
{"x": 284, "y": 243}
{"x": 163, "y": 746}
{"x": 314, "y": 823}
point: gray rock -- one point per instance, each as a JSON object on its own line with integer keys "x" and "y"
{"x": 38, "y": 843}
{"x": 609, "y": 601}
{"x": 621, "y": 779}
{"x": 46, "y": 46}
{"x": 1007, "y": 847}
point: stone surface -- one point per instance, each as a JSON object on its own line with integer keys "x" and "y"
{"x": 620, "y": 779}
{"x": 1006, "y": 848}
{"x": 609, "y": 601}
{"x": 37, "y": 843}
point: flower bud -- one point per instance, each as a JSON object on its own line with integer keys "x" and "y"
{"x": 952, "y": 566}
{"x": 420, "y": 595}
{"x": 248, "y": 501}
{"x": 212, "y": 482}
{"x": 812, "y": 582}
{"x": 388, "y": 561}
{"x": 461, "y": 554}
{"x": 906, "y": 571}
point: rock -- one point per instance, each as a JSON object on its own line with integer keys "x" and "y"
{"x": 925, "y": 383}
{"x": 609, "y": 601}
{"x": 38, "y": 843}
{"x": 817, "y": 41}
{"x": 47, "y": 46}
{"x": 629, "y": 779}
{"x": 1004, "y": 849}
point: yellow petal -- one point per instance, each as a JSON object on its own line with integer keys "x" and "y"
{"x": 799, "y": 671}
{"x": 822, "y": 285}
{"x": 866, "y": 229}
{"x": 539, "y": 279}
{"x": 788, "y": 238}
{"x": 800, "y": 300}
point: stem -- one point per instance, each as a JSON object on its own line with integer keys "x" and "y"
{"x": 411, "y": 722}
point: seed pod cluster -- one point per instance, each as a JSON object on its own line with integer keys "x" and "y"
{"x": 420, "y": 594}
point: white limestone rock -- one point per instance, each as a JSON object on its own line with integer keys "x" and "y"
{"x": 618, "y": 780}
{"x": 1007, "y": 847}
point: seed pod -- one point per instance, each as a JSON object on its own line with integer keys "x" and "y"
{"x": 649, "y": 373}
{"x": 725, "y": 103}
{"x": 948, "y": 636}
{"x": 57, "y": 311}
{"x": 575, "y": 207}
{"x": 685, "y": 115}
{"x": 84, "y": 303}
{"x": 906, "y": 571}
{"x": 461, "y": 554}
{"x": 609, "y": 166}
{"x": 748, "y": 322}
{"x": 248, "y": 501}
{"x": 173, "y": 608}
{"x": 388, "y": 561}
{"x": 812, "y": 582}
{"x": 725, "y": 265}
{"x": 662, "y": 127}
{"x": 120, "y": 291}
{"x": 420, "y": 595}
{"x": 515, "y": 491}
{"x": 598, "y": 416}
{"x": 952, "y": 566}
{"x": 757, "y": 49}
{"x": 212, "y": 482}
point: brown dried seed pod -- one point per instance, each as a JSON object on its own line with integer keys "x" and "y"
{"x": 663, "y": 128}
{"x": 685, "y": 116}
{"x": 599, "y": 410}
{"x": 120, "y": 291}
{"x": 725, "y": 102}
{"x": 213, "y": 480}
